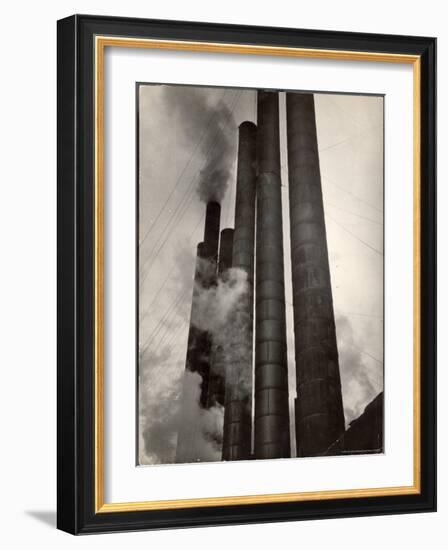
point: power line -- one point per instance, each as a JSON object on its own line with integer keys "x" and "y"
{"x": 170, "y": 272}
{"x": 161, "y": 323}
{"x": 154, "y": 253}
{"x": 331, "y": 182}
{"x": 176, "y": 334}
{"x": 169, "y": 333}
{"x": 355, "y": 236}
{"x": 349, "y": 313}
{"x": 346, "y": 140}
{"x": 187, "y": 196}
{"x": 369, "y": 355}
{"x": 342, "y": 110}
{"x": 379, "y": 318}
{"x": 185, "y": 201}
{"x": 162, "y": 320}
{"x": 196, "y": 149}
{"x": 353, "y": 213}
{"x": 326, "y": 180}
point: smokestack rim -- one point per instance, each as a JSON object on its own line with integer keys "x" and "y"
{"x": 251, "y": 126}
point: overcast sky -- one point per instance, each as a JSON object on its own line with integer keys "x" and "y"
{"x": 181, "y": 130}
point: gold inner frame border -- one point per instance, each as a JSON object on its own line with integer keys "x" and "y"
{"x": 100, "y": 44}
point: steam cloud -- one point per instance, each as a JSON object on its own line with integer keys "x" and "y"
{"x": 216, "y": 303}
{"x": 222, "y": 313}
{"x": 172, "y": 405}
{"x": 172, "y": 395}
{"x": 211, "y": 122}
{"x": 171, "y": 401}
{"x": 163, "y": 381}
{"x": 208, "y": 422}
{"x": 361, "y": 378}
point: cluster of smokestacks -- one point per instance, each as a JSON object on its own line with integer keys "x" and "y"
{"x": 231, "y": 377}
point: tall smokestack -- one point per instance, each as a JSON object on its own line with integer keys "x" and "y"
{"x": 318, "y": 407}
{"x": 272, "y": 432}
{"x": 216, "y": 388}
{"x": 225, "y": 251}
{"x": 211, "y": 231}
{"x": 238, "y": 411}
{"x": 196, "y": 361}
{"x": 199, "y": 343}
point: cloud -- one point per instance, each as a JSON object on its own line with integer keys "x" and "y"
{"x": 159, "y": 394}
{"x": 170, "y": 395}
{"x": 361, "y": 375}
{"x": 222, "y": 311}
{"x": 169, "y": 404}
{"x": 207, "y": 423}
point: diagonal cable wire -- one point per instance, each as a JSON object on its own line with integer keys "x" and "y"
{"x": 172, "y": 307}
{"x": 331, "y": 182}
{"x": 187, "y": 196}
{"x": 354, "y": 213}
{"x": 355, "y": 236}
{"x": 186, "y": 166}
{"x": 182, "y": 206}
{"x": 201, "y": 218}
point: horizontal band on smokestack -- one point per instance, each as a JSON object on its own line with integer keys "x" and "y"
{"x": 238, "y": 393}
{"x": 319, "y": 410}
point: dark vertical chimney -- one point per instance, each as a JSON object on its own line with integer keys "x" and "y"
{"x": 196, "y": 361}
{"x": 211, "y": 231}
{"x": 199, "y": 342}
{"x": 319, "y": 411}
{"x": 216, "y": 388}
{"x": 225, "y": 251}
{"x": 272, "y": 432}
{"x": 238, "y": 394}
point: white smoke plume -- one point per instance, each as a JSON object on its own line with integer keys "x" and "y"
{"x": 199, "y": 117}
{"x": 169, "y": 395}
{"x": 171, "y": 405}
{"x": 221, "y": 311}
{"x": 207, "y": 423}
{"x": 216, "y": 304}
{"x": 159, "y": 399}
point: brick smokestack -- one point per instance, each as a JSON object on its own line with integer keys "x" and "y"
{"x": 319, "y": 411}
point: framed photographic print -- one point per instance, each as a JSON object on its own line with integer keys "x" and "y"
{"x": 246, "y": 274}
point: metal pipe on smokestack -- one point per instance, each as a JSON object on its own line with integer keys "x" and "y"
{"x": 272, "y": 426}
{"x": 216, "y": 388}
{"x": 318, "y": 407}
{"x": 238, "y": 392}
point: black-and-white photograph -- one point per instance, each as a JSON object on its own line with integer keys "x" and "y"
{"x": 260, "y": 274}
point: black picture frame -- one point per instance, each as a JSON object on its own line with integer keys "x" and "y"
{"x": 76, "y": 301}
